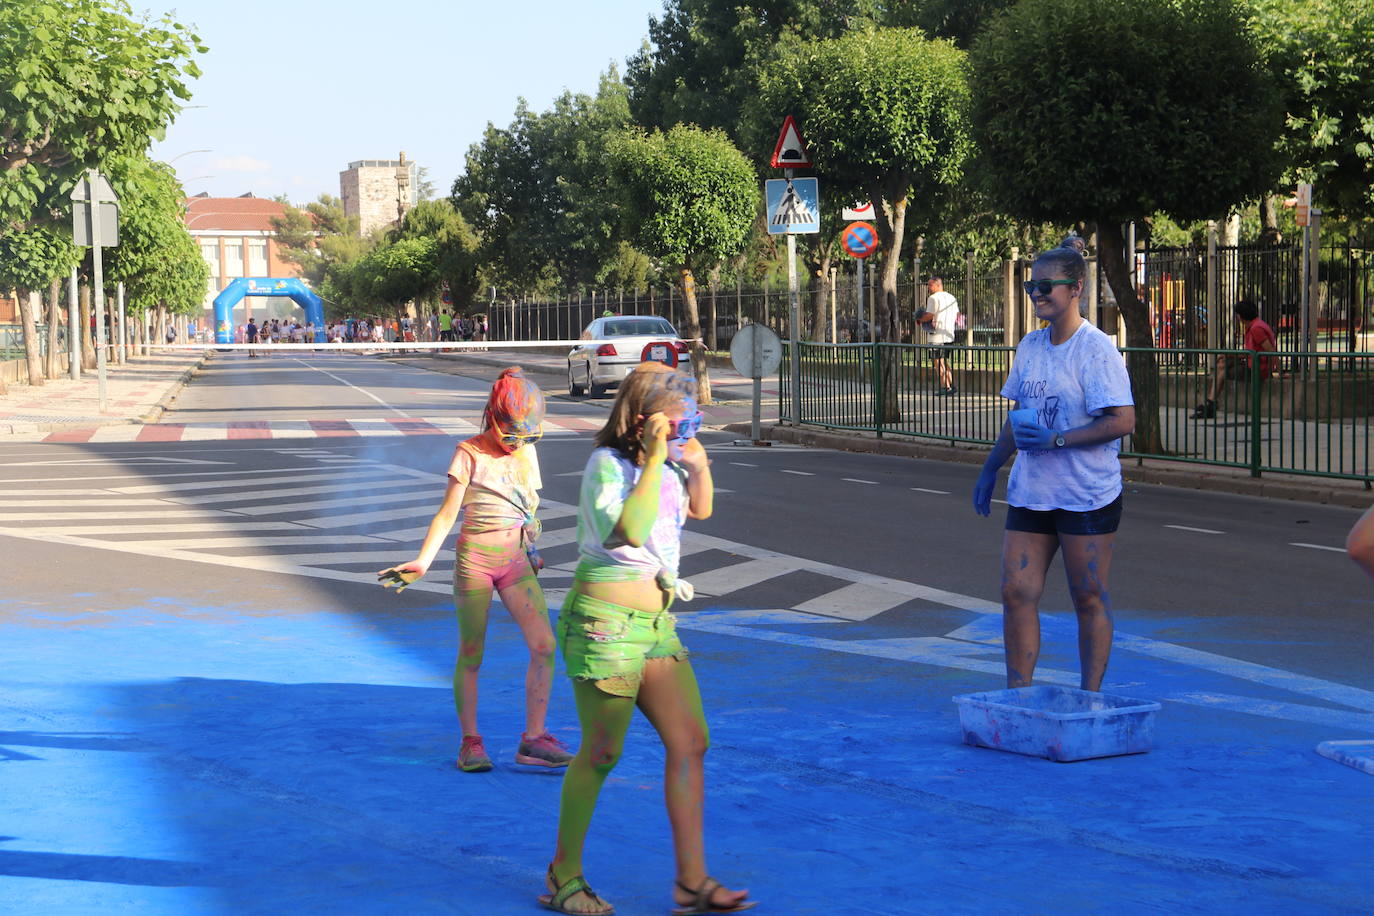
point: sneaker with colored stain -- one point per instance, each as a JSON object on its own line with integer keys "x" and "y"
{"x": 472, "y": 756}
{"x": 542, "y": 751}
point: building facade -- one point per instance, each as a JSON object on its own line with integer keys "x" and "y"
{"x": 379, "y": 191}
{"x": 236, "y": 239}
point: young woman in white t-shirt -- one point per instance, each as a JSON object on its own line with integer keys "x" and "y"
{"x": 1064, "y": 493}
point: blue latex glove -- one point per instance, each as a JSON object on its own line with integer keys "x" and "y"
{"x": 1032, "y": 437}
{"x": 982, "y": 491}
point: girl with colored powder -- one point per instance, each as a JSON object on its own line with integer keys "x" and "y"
{"x": 1064, "y": 494}
{"x": 646, "y": 477}
{"x": 494, "y": 480}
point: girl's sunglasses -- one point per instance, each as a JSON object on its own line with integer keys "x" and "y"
{"x": 686, "y": 428}
{"x": 512, "y": 441}
{"x": 1044, "y": 287}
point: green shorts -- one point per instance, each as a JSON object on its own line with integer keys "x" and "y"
{"x": 609, "y": 643}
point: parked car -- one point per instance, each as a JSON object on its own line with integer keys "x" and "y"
{"x": 631, "y": 339}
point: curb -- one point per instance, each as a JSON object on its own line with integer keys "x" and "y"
{"x": 1351, "y": 494}
{"x": 148, "y": 417}
{"x": 158, "y": 409}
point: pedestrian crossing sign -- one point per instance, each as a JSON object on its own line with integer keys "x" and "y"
{"x": 794, "y": 205}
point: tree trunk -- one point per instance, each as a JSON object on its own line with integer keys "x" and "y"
{"x": 820, "y": 296}
{"x": 890, "y": 210}
{"x": 32, "y": 353}
{"x": 699, "y": 365}
{"x": 1269, "y": 220}
{"x": 1142, "y": 366}
{"x": 87, "y": 343}
{"x": 54, "y": 365}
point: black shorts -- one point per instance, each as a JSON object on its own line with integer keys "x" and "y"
{"x": 1062, "y": 521}
{"x": 940, "y": 350}
{"x": 1238, "y": 368}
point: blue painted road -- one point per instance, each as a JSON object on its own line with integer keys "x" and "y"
{"x": 261, "y": 731}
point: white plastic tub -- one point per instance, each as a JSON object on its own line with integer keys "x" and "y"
{"x": 1060, "y": 723}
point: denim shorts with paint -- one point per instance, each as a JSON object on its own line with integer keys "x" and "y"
{"x": 489, "y": 567}
{"x": 609, "y": 643}
{"x": 1062, "y": 521}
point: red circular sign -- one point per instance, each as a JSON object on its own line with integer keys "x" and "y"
{"x": 860, "y": 239}
{"x": 659, "y": 351}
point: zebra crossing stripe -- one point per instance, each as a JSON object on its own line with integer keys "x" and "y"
{"x": 290, "y": 429}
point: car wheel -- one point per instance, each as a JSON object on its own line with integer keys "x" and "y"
{"x": 574, "y": 389}
{"x": 596, "y": 390}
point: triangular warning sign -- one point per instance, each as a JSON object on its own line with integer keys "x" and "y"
{"x": 791, "y": 149}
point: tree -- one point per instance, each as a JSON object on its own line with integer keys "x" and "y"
{"x": 689, "y": 198}
{"x": 319, "y": 236}
{"x": 1322, "y": 52}
{"x": 958, "y": 20}
{"x": 1124, "y": 132}
{"x": 29, "y": 260}
{"x": 80, "y": 81}
{"x": 697, "y": 67}
{"x": 885, "y": 113}
{"x": 393, "y": 274}
{"x": 535, "y": 192}
{"x": 456, "y": 247}
{"x": 156, "y": 259}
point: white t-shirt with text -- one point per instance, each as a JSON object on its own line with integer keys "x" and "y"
{"x": 1068, "y": 385}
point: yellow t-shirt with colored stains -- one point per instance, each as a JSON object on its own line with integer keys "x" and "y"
{"x": 502, "y": 489}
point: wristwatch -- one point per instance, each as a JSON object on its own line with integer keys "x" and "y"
{"x": 1059, "y": 441}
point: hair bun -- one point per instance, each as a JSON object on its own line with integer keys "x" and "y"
{"x": 1074, "y": 242}
{"x": 512, "y": 372}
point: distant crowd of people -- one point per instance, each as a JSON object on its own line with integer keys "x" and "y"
{"x": 441, "y": 326}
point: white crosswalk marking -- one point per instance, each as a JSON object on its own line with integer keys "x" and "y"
{"x": 215, "y": 518}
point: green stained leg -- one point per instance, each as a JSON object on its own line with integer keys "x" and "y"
{"x": 604, "y": 719}
{"x": 473, "y": 597}
{"x": 671, "y": 701}
{"x": 525, "y": 601}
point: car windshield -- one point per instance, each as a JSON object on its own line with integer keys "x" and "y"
{"x": 637, "y": 327}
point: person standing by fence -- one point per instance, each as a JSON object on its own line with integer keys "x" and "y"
{"x": 938, "y": 319}
{"x": 1074, "y": 398}
{"x": 1257, "y": 337}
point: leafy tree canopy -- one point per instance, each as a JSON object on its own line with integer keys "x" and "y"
{"x": 1323, "y": 54}
{"x": 32, "y": 258}
{"x": 156, "y": 258}
{"x": 689, "y": 195}
{"x": 1112, "y": 124}
{"x": 695, "y": 67}
{"x": 535, "y": 192}
{"x": 81, "y": 81}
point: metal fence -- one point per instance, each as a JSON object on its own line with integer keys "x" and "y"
{"x": 1312, "y": 419}
{"x": 12, "y": 340}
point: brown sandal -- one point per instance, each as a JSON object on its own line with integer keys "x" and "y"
{"x": 577, "y": 884}
{"x": 701, "y": 900}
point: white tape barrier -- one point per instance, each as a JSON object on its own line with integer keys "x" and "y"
{"x": 396, "y": 345}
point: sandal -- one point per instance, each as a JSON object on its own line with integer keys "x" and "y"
{"x": 575, "y": 885}
{"x": 701, "y": 900}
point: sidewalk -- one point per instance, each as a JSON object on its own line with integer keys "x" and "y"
{"x": 136, "y": 392}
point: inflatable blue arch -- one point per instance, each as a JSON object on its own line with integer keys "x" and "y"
{"x": 289, "y": 287}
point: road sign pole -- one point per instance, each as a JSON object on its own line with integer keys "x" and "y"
{"x": 794, "y": 300}
{"x": 119, "y": 333}
{"x": 73, "y": 327}
{"x": 97, "y": 291}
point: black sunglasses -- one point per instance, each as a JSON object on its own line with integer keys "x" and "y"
{"x": 1044, "y": 287}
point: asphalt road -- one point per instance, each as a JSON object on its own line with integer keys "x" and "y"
{"x": 212, "y": 708}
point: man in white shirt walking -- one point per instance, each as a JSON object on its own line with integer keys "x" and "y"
{"x": 938, "y": 317}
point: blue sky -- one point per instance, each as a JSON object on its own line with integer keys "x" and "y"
{"x": 293, "y": 91}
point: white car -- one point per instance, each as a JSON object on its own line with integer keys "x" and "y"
{"x": 595, "y": 368}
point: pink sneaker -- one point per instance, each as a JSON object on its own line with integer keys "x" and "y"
{"x": 472, "y": 756}
{"x": 542, "y": 751}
